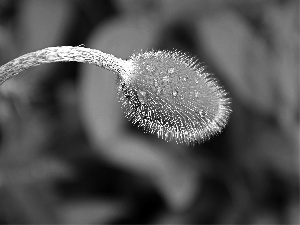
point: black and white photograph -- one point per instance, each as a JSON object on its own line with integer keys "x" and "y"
{"x": 149, "y": 112}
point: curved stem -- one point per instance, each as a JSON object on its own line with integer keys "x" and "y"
{"x": 61, "y": 54}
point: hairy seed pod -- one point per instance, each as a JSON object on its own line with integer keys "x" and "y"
{"x": 168, "y": 93}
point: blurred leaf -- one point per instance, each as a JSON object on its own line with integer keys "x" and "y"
{"x": 240, "y": 56}
{"x": 91, "y": 211}
{"x": 43, "y": 23}
{"x": 27, "y": 204}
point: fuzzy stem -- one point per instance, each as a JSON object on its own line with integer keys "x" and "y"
{"x": 61, "y": 54}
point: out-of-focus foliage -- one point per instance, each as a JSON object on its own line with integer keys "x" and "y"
{"x": 68, "y": 155}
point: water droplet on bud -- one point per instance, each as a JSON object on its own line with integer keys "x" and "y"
{"x": 165, "y": 79}
{"x": 158, "y": 90}
{"x": 143, "y": 93}
{"x": 202, "y": 112}
{"x": 150, "y": 68}
{"x": 142, "y": 96}
{"x": 175, "y": 93}
{"x": 171, "y": 70}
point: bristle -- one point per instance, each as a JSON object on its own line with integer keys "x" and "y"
{"x": 168, "y": 93}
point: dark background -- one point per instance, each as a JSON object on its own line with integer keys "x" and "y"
{"x": 68, "y": 155}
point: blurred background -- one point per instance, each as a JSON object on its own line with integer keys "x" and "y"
{"x": 68, "y": 155}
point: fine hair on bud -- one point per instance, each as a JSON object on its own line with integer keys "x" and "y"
{"x": 169, "y": 94}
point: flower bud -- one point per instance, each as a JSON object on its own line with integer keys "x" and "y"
{"x": 169, "y": 94}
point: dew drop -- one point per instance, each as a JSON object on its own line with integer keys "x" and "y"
{"x": 185, "y": 78}
{"x": 171, "y": 70}
{"x": 143, "y": 93}
{"x": 150, "y": 68}
{"x": 196, "y": 94}
{"x": 158, "y": 90}
{"x": 196, "y": 81}
{"x": 142, "y": 96}
{"x": 165, "y": 78}
{"x": 175, "y": 93}
{"x": 202, "y": 113}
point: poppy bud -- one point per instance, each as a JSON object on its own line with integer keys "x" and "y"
{"x": 168, "y": 93}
